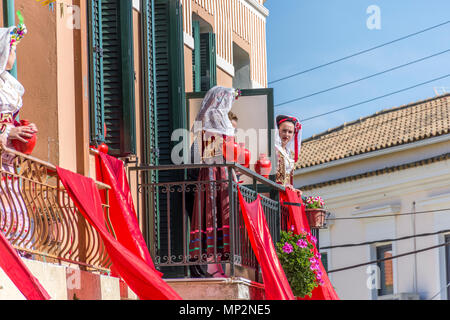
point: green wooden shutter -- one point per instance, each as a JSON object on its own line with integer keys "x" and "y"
{"x": 208, "y": 60}
{"x": 112, "y": 76}
{"x": 96, "y": 73}
{"x": 196, "y": 60}
{"x": 149, "y": 121}
{"x": 170, "y": 105}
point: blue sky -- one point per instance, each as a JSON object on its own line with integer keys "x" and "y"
{"x": 302, "y": 34}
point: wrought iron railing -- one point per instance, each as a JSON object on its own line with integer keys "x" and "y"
{"x": 171, "y": 208}
{"x": 40, "y": 220}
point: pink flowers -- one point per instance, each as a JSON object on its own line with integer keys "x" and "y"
{"x": 314, "y": 202}
{"x": 301, "y": 261}
{"x": 302, "y": 243}
{"x": 288, "y": 248}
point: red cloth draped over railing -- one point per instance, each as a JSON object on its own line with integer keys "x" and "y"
{"x": 18, "y": 272}
{"x": 276, "y": 285}
{"x": 145, "y": 281}
{"x": 297, "y": 219}
{"x": 122, "y": 213}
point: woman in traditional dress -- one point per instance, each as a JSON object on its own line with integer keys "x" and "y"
{"x": 210, "y": 229}
{"x": 287, "y": 144}
{"x": 14, "y": 221}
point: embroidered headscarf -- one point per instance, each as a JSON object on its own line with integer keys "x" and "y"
{"x": 11, "y": 91}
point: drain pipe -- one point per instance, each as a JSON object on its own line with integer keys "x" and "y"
{"x": 413, "y": 218}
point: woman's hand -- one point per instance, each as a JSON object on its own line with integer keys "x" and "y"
{"x": 33, "y": 127}
{"x": 21, "y": 133}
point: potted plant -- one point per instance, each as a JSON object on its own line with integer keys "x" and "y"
{"x": 315, "y": 211}
{"x": 300, "y": 264}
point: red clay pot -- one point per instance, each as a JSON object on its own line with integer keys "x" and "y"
{"x": 26, "y": 148}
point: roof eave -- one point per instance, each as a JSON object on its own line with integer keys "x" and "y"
{"x": 373, "y": 154}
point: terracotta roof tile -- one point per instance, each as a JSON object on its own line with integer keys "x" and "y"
{"x": 384, "y": 129}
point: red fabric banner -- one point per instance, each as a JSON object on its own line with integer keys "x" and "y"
{"x": 122, "y": 213}
{"x": 139, "y": 276}
{"x": 18, "y": 272}
{"x": 298, "y": 219}
{"x": 276, "y": 284}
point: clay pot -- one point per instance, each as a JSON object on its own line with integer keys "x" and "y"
{"x": 230, "y": 150}
{"x": 244, "y": 155}
{"x": 316, "y": 218}
{"x": 263, "y": 166}
{"x": 26, "y": 148}
{"x": 103, "y": 148}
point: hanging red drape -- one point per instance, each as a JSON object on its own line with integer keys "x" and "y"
{"x": 139, "y": 276}
{"x": 276, "y": 285}
{"x": 122, "y": 213}
{"x": 297, "y": 219}
{"x": 18, "y": 272}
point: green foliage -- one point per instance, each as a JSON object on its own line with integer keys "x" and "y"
{"x": 295, "y": 253}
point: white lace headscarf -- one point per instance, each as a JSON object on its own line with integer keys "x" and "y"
{"x": 11, "y": 91}
{"x": 212, "y": 119}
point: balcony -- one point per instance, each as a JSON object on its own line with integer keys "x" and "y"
{"x": 56, "y": 242}
{"x": 168, "y": 235}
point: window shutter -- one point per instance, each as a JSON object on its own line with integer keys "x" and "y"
{"x": 208, "y": 60}
{"x": 112, "y": 76}
{"x": 149, "y": 124}
{"x": 96, "y": 73}
{"x": 196, "y": 60}
{"x": 170, "y": 109}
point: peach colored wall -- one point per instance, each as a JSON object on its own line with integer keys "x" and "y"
{"x": 37, "y": 71}
{"x": 224, "y": 79}
{"x": 66, "y": 87}
{"x": 188, "y": 74}
{"x": 138, "y": 98}
{"x": 46, "y": 68}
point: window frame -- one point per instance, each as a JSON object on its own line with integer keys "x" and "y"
{"x": 379, "y": 251}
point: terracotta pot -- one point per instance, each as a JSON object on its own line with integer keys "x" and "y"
{"x": 26, "y": 148}
{"x": 263, "y": 166}
{"x": 103, "y": 148}
{"x": 244, "y": 155}
{"x": 248, "y": 157}
{"x": 316, "y": 218}
{"x": 230, "y": 150}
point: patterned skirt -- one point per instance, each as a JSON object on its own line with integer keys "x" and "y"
{"x": 210, "y": 229}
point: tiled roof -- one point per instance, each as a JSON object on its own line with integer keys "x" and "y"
{"x": 384, "y": 129}
{"x": 378, "y": 172}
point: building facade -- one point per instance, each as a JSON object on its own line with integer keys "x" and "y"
{"x": 385, "y": 177}
{"x": 118, "y": 73}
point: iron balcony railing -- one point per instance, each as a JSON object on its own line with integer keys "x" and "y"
{"x": 167, "y": 209}
{"x": 40, "y": 220}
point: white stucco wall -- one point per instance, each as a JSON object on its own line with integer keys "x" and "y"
{"x": 394, "y": 193}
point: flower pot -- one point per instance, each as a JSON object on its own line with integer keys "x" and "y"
{"x": 316, "y": 218}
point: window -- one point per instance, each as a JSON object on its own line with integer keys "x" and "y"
{"x": 325, "y": 260}
{"x": 112, "y": 76}
{"x": 386, "y": 270}
{"x": 447, "y": 262}
{"x": 204, "y": 56}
